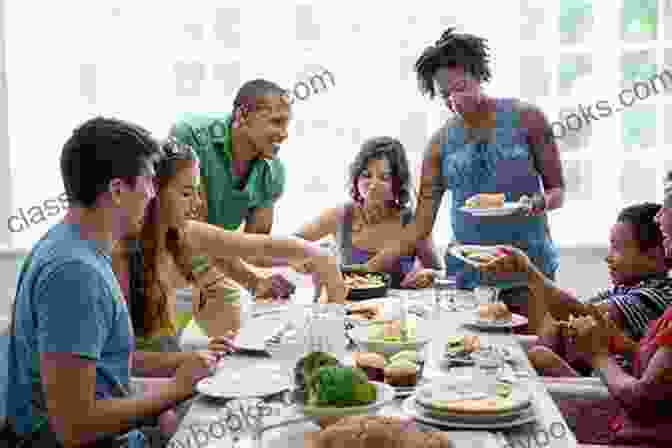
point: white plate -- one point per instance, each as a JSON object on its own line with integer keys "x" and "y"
{"x": 361, "y": 336}
{"x": 473, "y": 418}
{"x": 411, "y": 408}
{"x": 449, "y": 389}
{"x": 456, "y": 251}
{"x": 385, "y": 395}
{"x": 508, "y": 208}
{"x": 516, "y": 321}
{"x": 259, "y": 380}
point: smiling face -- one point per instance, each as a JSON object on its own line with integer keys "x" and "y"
{"x": 266, "y": 127}
{"x": 178, "y": 197}
{"x": 626, "y": 261}
{"x": 375, "y": 183}
{"x": 458, "y": 89}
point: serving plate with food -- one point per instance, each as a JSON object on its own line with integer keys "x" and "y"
{"x": 390, "y": 337}
{"x": 459, "y": 402}
{"x": 363, "y": 284}
{"x": 327, "y": 389}
{"x": 465, "y": 350}
{"x": 476, "y": 255}
{"x": 495, "y": 316}
{"x": 494, "y": 204}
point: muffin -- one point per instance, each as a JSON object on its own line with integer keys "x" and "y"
{"x": 372, "y": 364}
{"x": 401, "y": 373}
{"x": 377, "y": 432}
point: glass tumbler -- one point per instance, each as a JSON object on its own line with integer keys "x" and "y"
{"x": 325, "y": 330}
{"x": 445, "y": 293}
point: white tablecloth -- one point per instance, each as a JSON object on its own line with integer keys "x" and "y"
{"x": 550, "y": 421}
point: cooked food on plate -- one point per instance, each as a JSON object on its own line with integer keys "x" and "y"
{"x": 486, "y": 200}
{"x": 494, "y": 311}
{"x": 478, "y": 256}
{"x": 366, "y": 311}
{"x": 390, "y": 331}
{"x": 327, "y": 383}
{"x": 463, "y": 345}
{"x": 356, "y": 280}
{"x": 378, "y": 431}
{"x": 408, "y": 355}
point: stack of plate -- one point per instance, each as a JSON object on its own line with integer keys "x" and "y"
{"x": 458, "y": 403}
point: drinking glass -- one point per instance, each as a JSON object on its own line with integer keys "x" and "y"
{"x": 445, "y": 293}
{"x": 488, "y": 367}
{"x": 325, "y": 329}
{"x": 487, "y": 294}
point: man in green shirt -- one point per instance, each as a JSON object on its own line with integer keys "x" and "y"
{"x": 241, "y": 175}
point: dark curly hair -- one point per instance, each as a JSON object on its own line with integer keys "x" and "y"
{"x": 384, "y": 148}
{"x": 453, "y": 50}
{"x": 642, "y": 219}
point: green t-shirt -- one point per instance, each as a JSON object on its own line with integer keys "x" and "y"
{"x": 228, "y": 203}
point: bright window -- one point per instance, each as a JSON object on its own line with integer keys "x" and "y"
{"x": 131, "y": 60}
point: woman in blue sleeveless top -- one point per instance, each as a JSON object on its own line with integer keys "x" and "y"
{"x": 491, "y": 145}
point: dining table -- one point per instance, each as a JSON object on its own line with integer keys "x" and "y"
{"x": 282, "y": 424}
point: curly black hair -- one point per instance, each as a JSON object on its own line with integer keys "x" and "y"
{"x": 453, "y": 50}
{"x": 384, "y": 148}
{"x": 642, "y": 219}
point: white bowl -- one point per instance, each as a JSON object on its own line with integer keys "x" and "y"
{"x": 384, "y": 395}
{"x": 361, "y": 336}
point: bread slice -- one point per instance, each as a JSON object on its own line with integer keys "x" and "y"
{"x": 486, "y": 200}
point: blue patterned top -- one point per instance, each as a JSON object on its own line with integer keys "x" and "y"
{"x": 498, "y": 160}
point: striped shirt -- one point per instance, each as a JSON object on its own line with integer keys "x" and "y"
{"x": 639, "y": 304}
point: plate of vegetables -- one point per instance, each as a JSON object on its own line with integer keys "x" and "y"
{"x": 327, "y": 389}
{"x": 363, "y": 284}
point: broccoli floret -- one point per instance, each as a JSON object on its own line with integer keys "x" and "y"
{"x": 309, "y": 364}
{"x": 341, "y": 387}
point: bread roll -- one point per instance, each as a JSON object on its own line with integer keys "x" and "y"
{"x": 486, "y": 200}
{"x": 494, "y": 311}
{"x": 378, "y": 432}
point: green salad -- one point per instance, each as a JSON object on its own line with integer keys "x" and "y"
{"x": 377, "y": 332}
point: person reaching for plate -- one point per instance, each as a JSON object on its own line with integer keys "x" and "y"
{"x": 379, "y": 186}
{"x": 636, "y": 413}
{"x": 172, "y": 251}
